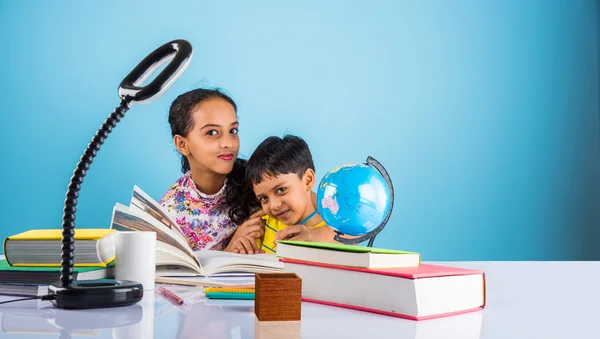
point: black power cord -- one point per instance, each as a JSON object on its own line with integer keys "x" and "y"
{"x": 43, "y": 297}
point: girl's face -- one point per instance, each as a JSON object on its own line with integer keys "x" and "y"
{"x": 287, "y": 197}
{"x": 212, "y": 143}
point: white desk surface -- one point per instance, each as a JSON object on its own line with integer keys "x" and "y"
{"x": 524, "y": 300}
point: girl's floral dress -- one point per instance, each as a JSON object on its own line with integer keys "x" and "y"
{"x": 202, "y": 217}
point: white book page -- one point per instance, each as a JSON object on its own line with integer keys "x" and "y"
{"x": 171, "y": 256}
{"x": 220, "y": 262}
{"x": 176, "y": 271}
{"x": 180, "y": 238}
{"x": 144, "y": 202}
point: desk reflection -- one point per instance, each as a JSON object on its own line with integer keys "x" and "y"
{"x": 156, "y": 317}
{"x": 277, "y": 329}
{"x": 216, "y": 319}
{"x": 36, "y": 317}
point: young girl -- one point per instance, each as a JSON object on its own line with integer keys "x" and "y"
{"x": 212, "y": 197}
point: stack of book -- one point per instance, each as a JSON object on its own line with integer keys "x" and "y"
{"x": 33, "y": 259}
{"x": 382, "y": 281}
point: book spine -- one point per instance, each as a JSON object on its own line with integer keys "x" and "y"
{"x": 4, "y": 250}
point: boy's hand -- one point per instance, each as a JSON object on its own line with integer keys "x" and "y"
{"x": 303, "y": 233}
{"x": 244, "y": 238}
{"x": 296, "y": 233}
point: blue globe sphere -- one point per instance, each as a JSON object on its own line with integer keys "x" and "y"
{"x": 354, "y": 199}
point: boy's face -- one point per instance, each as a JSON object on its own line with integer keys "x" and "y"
{"x": 286, "y": 197}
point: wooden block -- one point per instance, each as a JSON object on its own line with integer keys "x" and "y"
{"x": 277, "y": 296}
{"x": 277, "y": 329}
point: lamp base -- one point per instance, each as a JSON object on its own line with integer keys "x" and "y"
{"x": 101, "y": 293}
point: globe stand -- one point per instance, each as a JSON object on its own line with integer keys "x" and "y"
{"x": 371, "y": 235}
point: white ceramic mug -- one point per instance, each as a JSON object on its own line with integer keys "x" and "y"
{"x": 135, "y": 257}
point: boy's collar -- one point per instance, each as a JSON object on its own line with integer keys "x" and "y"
{"x": 308, "y": 218}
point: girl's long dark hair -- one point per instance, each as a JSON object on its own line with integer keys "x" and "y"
{"x": 239, "y": 197}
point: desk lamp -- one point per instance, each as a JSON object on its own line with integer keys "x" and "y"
{"x": 70, "y": 294}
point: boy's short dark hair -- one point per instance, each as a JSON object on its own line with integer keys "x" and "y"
{"x": 277, "y": 156}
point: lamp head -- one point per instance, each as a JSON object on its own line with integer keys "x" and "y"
{"x": 179, "y": 52}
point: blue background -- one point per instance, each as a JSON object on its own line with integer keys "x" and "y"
{"x": 485, "y": 113}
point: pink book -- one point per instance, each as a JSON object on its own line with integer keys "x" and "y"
{"x": 415, "y": 293}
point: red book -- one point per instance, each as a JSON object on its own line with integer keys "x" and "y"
{"x": 416, "y": 293}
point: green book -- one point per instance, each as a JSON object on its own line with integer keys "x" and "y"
{"x": 346, "y": 255}
{"x": 343, "y": 247}
{"x": 49, "y": 275}
{"x": 231, "y": 295}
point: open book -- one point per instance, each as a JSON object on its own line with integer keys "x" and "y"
{"x": 174, "y": 257}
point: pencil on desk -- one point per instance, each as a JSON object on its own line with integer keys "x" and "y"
{"x": 239, "y": 286}
{"x": 170, "y": 296}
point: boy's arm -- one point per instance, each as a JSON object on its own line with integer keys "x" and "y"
{"x": 303, "y": 233}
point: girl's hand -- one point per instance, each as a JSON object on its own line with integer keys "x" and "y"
{"x": 246, "y": 245}
{"x": 254, "y": 226}
{"x": 244, "y": 238}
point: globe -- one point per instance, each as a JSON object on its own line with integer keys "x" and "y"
{"x": 355, "y": 199}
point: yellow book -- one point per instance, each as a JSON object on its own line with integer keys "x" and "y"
{"x": 42, "y": 247}
{"x": 56, "y": 234}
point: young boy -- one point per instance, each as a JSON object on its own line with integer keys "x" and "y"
{"x": 282, "y": 174}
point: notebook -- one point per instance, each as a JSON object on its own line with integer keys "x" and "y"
{"x": 49, "y": 275}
